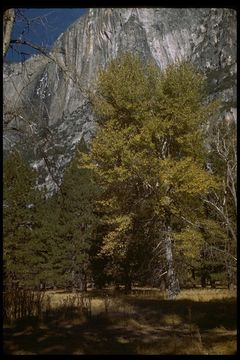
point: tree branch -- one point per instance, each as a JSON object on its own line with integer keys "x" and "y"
{"x": 8, "y": 21}
{"x": 33, "y": 46}
{"x": 221, "y": 212}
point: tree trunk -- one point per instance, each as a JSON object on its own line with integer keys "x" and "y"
{"x": 82, "y": 281}
{"x": 193, "y": 274}
{"x": 127, "y": 286}
{"x": 127, "y": 280}
{"x": 212, "y": 283}
{"x": 230, "y": 277}
{"x": 203, "y": 280}
{"x": 162, "y": 284}
{"x": 42, "y": 286}
{"x": 117, "y": 287}
{"x": 8, "y": 20}
{"x": 172, "y": 282}
{"x": 73, "y": 281}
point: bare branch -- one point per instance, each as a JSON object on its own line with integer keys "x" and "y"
{"x": 221, "y": 212}
{"x": 34, "y": 46}
{"x": 222, "y": 251}
{"x": 8, "y": 21}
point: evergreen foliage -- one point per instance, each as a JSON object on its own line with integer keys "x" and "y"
{"x": 76, "y": 225}
{"x": 22, "y": 252}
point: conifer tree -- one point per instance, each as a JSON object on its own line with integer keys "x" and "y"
{"x": 47, "y": 235}
{"x": 21, "y": 200}
{"x": 76, "y": 225}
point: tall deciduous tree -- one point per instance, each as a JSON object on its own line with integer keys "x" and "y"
{"x": 148, "y": 152}
{"x": 221, "y": 205}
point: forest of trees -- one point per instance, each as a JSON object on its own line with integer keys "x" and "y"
{"x": 150, "y": 201}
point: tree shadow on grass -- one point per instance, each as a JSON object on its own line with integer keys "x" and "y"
{"x": 205, "y": 314}
{"x": 149, "y": 327}
{"x": 64, "y": 336}
{"x": 213, "y": 322}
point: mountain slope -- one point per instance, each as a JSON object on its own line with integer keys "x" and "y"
{"x": 46, "y": 97}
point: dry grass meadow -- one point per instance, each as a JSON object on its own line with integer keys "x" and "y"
{"x": 198, "y": 321}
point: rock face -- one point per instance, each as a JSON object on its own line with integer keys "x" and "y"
{"x": 46, "y": 109}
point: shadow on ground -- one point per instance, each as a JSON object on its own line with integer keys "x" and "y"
{"x": 153, "y": 327}
{"x": 93, "y": 336}
{"x": 206, "y": 315}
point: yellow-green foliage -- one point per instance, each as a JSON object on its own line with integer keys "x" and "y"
{"x": 149, "y": 144}
{"x": 116, "y": 241}
{"x": 190, "y": 242}
{"x": 186, "y": 176}
{"x": 122, "y": 89}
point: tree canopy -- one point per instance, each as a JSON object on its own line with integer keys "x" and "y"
{"x": 148, "y": 152}
{"x": 152, "y": 198}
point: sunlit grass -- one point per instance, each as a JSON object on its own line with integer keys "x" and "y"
{"x": 206, "y": 294}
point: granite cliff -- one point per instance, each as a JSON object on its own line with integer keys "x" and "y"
{"x": 46, "y": 108}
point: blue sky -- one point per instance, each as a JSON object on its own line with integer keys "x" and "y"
{"x": 45, "y": 25}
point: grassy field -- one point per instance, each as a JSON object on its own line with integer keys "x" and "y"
{"x": 198, "y": 321}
